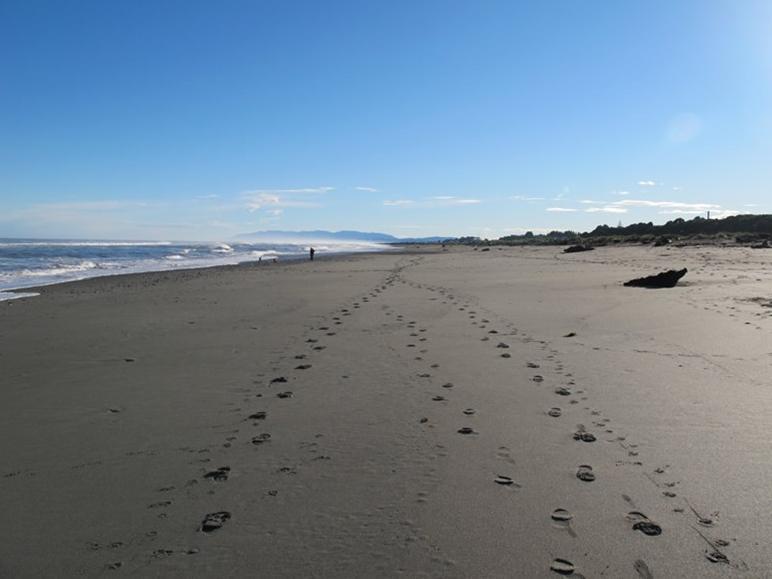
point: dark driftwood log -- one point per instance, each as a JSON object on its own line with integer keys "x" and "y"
{"x": 577, "y": 248}
{"x": 665, "y": 279}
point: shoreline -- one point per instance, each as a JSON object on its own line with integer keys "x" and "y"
{"x": 287, "y": 260}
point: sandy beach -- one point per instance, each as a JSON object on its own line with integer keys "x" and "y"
{"x": 515, "y": 412}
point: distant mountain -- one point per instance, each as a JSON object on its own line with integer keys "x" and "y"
{"x": 340, "y": 236}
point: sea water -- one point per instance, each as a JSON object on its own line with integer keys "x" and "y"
{"x": 26, "y": 263}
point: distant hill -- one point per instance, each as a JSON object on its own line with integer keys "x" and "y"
{"x": 339, "y": 236}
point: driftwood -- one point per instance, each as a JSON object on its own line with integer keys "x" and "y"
{"x": 578, "y": 248}
{"x": 665, "y": 279}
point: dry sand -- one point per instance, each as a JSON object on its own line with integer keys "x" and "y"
{"x": 119, "y": 396}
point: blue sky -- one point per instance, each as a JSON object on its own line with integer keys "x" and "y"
{"x": 201, "y": 120}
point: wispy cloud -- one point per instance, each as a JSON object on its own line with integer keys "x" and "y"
{"x": 666, "y": 204}
{"x": 561, "y": 210}
{"x": 260, "y": 198}
{"x": 714, "y": 213}
{"x": 73, "y": 211}
{"x": 430, "y": 202}
{"x": 524, "y": 198}
{"x": 367, "y": 189}
{"x": 606, "y": 209}
{"x": 257, "y": 201}
{"x": 647, "y": 183}
{"x": 301, "y": 191}
{"x": 463, "y": 202}
{"x": 721, "y": 213}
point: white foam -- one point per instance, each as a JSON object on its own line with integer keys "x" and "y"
{"x": 5, "y": 296}
{"x": 62, "y": 270}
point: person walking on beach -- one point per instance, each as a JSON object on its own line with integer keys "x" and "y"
{"x": 311, "y": 253}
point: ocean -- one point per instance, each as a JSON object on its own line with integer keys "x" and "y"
{"x": 26, "y": 263}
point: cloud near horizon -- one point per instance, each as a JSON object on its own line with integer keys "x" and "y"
{"x": 666, "y": 204}
{"x": 606, "y": 209}
{"x": 436, "y": 201}
{"x": 257, "y": 199}
{"x": 524, "y": 198}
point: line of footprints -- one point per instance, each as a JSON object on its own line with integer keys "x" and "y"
{"x": 584, "y": 472}
{"x": 214, "y": 521}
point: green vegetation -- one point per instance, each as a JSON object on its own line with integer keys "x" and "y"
{"x": 742, "y": 229}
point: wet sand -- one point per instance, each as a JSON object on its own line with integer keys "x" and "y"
{"x": 510, "y": 413}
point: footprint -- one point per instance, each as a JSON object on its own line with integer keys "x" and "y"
{"x": 448, "y": 385}
{"x": 583, "y": 435}
{"x": 469, "y": 411}
{"x": 562, "y": 391}
{"x": 466, "y": 430}
{"x": 284, "y": 394}
{"x": 562, "y": 518}
{"x": 279, "y": 380}
{"x": 643, "y": 524}
{"x": 532, "y": 365}
{"x": 261, "y": 439}
{"x": 218, "y": 475}
{"x": 642, "y": 569}
{"x": 303, "y": 367}
{"x": 159, "y": 505}
{"x": 538, "y": 378}
{"x": 504, "y": 480}
{"x": 506, "y": 355}
{"x": 502, "y": 345}
{"x": 584, "y": 473}
{"x": 555, "y": 412}
{"x": 561, "y": 515}
{"x": 438, "y": 398}
{"x": 261, "y": 415}
{"x": 716, "y": 557}
{"x": 214, "y": 521}
{"x": 562, "y": 567}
